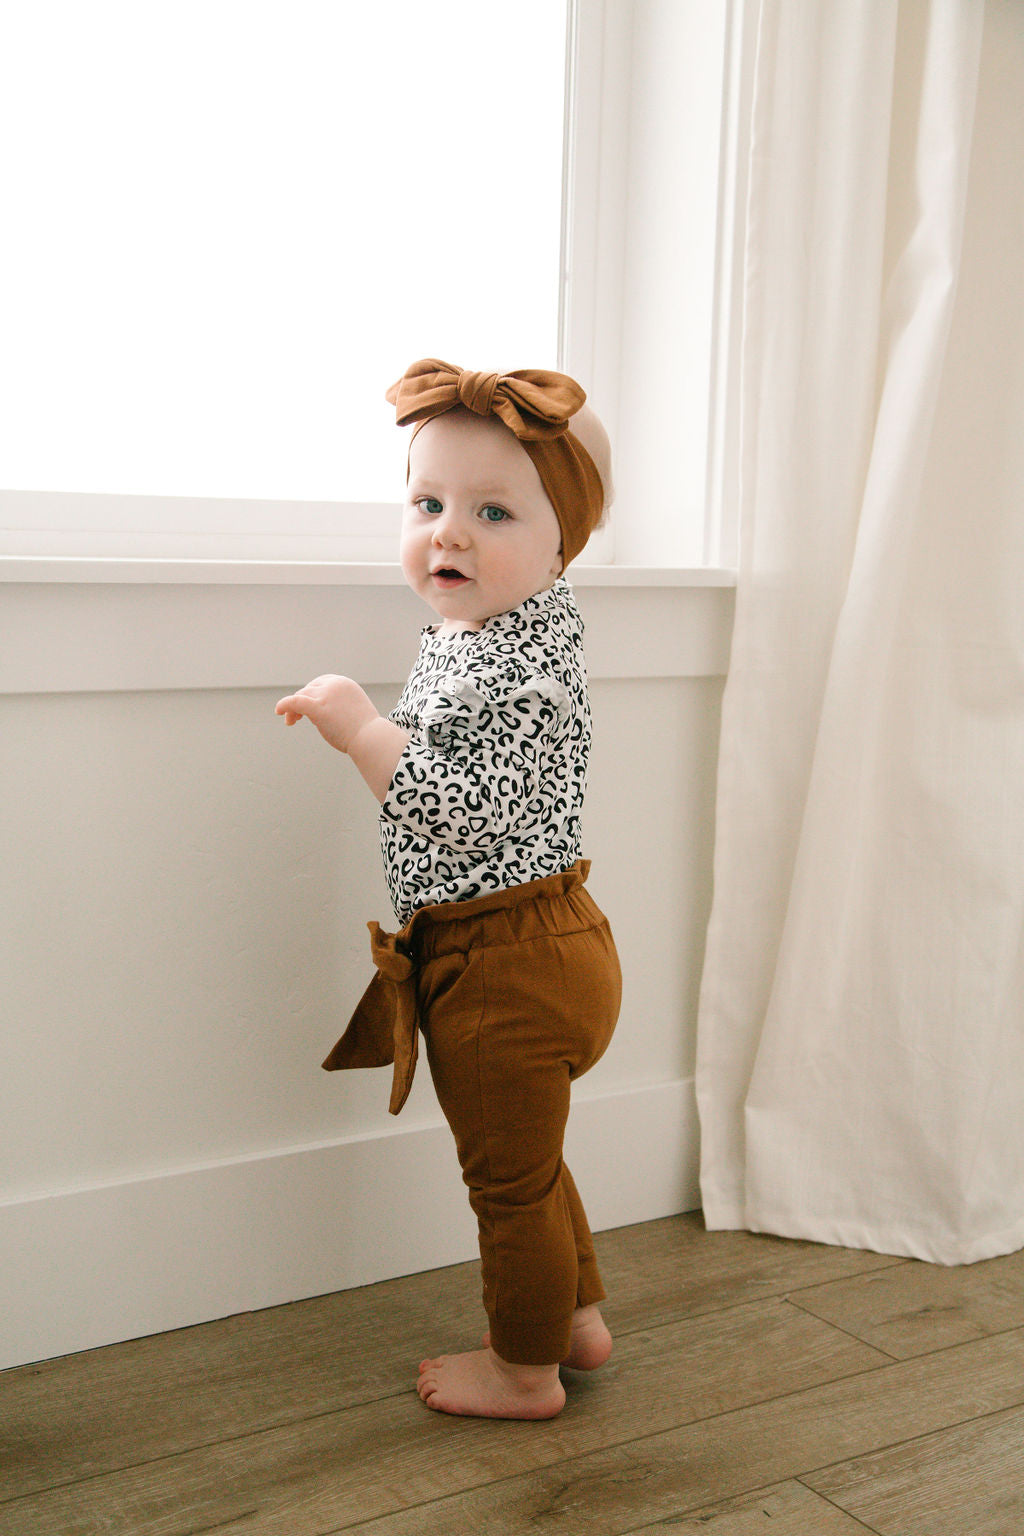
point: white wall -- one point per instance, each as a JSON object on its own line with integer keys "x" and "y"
{"x": 183, "y": 892}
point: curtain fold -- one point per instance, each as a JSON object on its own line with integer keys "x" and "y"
{"x": 860, "y": 1066}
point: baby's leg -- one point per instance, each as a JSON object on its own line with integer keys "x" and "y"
{"x": 505, "y": 1093}
{"x": 507, "y": 1027}
{"x": 529, "y": 1281}
{"x": 590, "y": 1342}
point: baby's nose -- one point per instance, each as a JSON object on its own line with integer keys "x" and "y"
{"x": 450, "y": 531}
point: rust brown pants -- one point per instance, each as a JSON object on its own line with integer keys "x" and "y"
{"x": 516, "y": 993}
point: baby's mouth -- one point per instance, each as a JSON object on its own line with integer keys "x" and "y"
{"x": 447, "y": 576}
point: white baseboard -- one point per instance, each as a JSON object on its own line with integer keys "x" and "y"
{"x": 89, "y": 1267}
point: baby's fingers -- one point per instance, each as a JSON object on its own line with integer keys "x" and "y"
{"x": 286, "y": 707}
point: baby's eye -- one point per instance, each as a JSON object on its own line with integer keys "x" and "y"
{"x": 430, "y": 504}
{"x": 494, "y": 514}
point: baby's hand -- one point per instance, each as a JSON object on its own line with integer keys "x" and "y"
{"x": 337, "y": 706}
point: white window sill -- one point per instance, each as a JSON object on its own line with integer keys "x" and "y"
{"x": 331, "y": 573}
{"x": 119, "y": 626}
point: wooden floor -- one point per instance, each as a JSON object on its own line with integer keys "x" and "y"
{"x": 758, "y": 1386}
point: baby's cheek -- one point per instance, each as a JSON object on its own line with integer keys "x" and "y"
{"x": 411, "y": 560}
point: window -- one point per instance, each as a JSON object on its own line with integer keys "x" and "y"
{"x": 237, "y": 223}
{"x": 234, "y": 224}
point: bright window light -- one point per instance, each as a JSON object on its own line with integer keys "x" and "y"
{"x": 230, "y": 224}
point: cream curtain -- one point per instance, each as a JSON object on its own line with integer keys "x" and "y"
{"x": 860, "y": 1070}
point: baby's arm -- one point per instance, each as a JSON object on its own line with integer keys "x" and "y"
{"x": 347, "y": 719}
{"x": 471, "y": 773}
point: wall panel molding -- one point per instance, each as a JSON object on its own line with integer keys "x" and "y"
{"x": 109, "y": 637}
{"x": 88, "y": 1267}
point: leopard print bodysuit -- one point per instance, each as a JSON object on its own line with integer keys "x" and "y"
{"x": 488, "y": 793}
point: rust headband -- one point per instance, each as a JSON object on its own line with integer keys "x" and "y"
{"x": 536, "y": 406}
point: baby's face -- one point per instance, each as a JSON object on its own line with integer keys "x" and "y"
{"x": 479, "y": 535}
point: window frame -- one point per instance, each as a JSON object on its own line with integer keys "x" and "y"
{"x": 609, "y": 81}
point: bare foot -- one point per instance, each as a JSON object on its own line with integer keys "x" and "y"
{"x": 484, "y": 1386}
{"x": 590, "y": 1343}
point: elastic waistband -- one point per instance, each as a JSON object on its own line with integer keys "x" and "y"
{"x": 557, "y": 904}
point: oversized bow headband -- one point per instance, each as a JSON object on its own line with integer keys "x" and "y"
{"x": 536, "y": 406}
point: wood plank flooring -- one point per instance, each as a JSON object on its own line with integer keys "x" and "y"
{"x": 758, "y": 1387}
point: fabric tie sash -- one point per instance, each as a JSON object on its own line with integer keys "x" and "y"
{"x": 536, "y": 406}
{"x": 385, "y": 1025}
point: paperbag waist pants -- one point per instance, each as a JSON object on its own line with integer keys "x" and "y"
{"x": 516, "y": 993}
